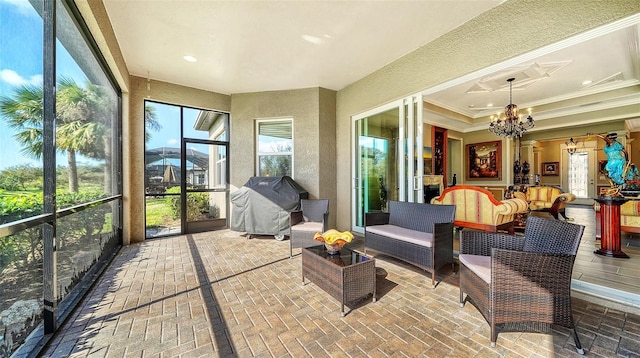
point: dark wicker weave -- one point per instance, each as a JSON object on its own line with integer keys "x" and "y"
{"x": 435, "y": 219}
{"x": 344, "y": 283}
{"x": 310, "y": 211}
{"x": 530, "y": 277}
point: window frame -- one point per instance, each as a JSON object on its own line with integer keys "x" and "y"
{"x": 258, "y": 153}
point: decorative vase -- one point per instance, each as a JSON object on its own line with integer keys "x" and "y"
{"x": 333, "y": 249}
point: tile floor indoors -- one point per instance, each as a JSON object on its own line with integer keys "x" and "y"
{"x": 219, "y": 294}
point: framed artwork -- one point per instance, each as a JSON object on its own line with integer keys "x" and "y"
{"x": 550, "y": 168}
{"x": 484, "y": 161}
{"x": 601, "y": 165}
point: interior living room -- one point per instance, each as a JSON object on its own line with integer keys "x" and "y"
{"x": 118, "y": 118}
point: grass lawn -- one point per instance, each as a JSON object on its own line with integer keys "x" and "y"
{"x": 159, "y": 213}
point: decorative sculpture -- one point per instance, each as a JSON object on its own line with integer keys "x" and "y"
{"x": 617, "y": 163}
{"x": 611, "y": 199}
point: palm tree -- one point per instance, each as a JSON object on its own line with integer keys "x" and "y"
{"x": 76, "y": 132}
{"x": 83, "y": 116}
{"x": 23, "y": 113}
{"x": 150, "y": 122}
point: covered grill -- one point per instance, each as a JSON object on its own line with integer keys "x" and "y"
{"x": 262, "y": 205}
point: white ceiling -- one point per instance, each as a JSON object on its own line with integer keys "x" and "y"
{"x": 254, "y": 46}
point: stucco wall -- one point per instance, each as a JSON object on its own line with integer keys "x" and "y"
{"x": 327, "y": 151}
{"x": 313, "y": 113}
{"x": 513, "y": 28}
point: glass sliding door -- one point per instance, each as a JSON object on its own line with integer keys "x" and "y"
{"x": 387, "y": 158}
{"x": 415, "y": 153}
{"x": 375, "y": 176}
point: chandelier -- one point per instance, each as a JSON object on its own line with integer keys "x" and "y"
{"x": 509, "y": 123}
{"x": 571, "y": 145}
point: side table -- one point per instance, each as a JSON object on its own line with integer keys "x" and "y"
{"x": 346, "y": 277}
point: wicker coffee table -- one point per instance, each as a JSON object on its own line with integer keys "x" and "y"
{"x": 347, "y": 276}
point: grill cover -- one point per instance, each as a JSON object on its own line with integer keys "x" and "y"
{"x": 263, "y": 204}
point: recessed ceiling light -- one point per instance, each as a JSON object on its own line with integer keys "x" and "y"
{"x": 489, "y": 104}
{"x": 312, "y": 39}
{"x": 190, "y": 58}
{"x": 586, "y": 82}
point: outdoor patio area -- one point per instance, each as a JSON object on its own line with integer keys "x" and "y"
{"x": 219, "y": 294}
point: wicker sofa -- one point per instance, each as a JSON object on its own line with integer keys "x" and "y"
{"x": 477, "y": 208}
{"x": 419, "y": 234}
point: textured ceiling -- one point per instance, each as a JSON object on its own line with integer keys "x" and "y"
{"x": 253, "y": 46}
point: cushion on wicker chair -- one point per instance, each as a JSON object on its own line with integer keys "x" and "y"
{"x": 309, "y": 226}
{"x": 478, "y": 264}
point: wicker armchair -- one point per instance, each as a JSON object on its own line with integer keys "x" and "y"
{"x": 312, "y": 217}
{"x": 521, "y": 283}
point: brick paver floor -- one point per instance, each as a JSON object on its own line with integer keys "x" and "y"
{"x": 219, "y": 294}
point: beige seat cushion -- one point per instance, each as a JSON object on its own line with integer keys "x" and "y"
{"x": 400, "y": 233}
{"x": 308, "y": 226}
{"x": 480, "y": 265}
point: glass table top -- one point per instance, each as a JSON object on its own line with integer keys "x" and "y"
{"x": 345, "y": 257}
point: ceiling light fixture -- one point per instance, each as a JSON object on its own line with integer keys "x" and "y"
{"x": 190, "y": 58}
{"x": 571, "y": 146}
{"x": 511, "y": 125}
{"x": 312, "y": 39}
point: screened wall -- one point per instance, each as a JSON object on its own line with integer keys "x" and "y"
{"x": 60, "y": 169}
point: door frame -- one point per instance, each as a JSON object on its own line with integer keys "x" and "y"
{"x": 188, "y": 227}
{"x": 410, "y": 146}
{"x": 590, "y": 147}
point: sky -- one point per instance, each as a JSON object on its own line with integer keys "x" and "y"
{"x": 21, "y": 63}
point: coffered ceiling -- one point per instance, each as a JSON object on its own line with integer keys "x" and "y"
{"x": 253, "y": 46}
{"x": 590, "y": 73}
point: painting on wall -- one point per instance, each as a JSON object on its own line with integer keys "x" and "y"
{"x": 428, "y": 161}
{"x": 550, "y": 168}
{"x": 484, "y": 161}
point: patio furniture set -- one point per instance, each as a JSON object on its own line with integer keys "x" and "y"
{"x": 517, "y": 282}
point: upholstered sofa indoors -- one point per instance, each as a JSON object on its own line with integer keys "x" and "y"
{"x": 629, "y": 217}
{"x": 548, "y": 198}
{"x": 477, "y": 208}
